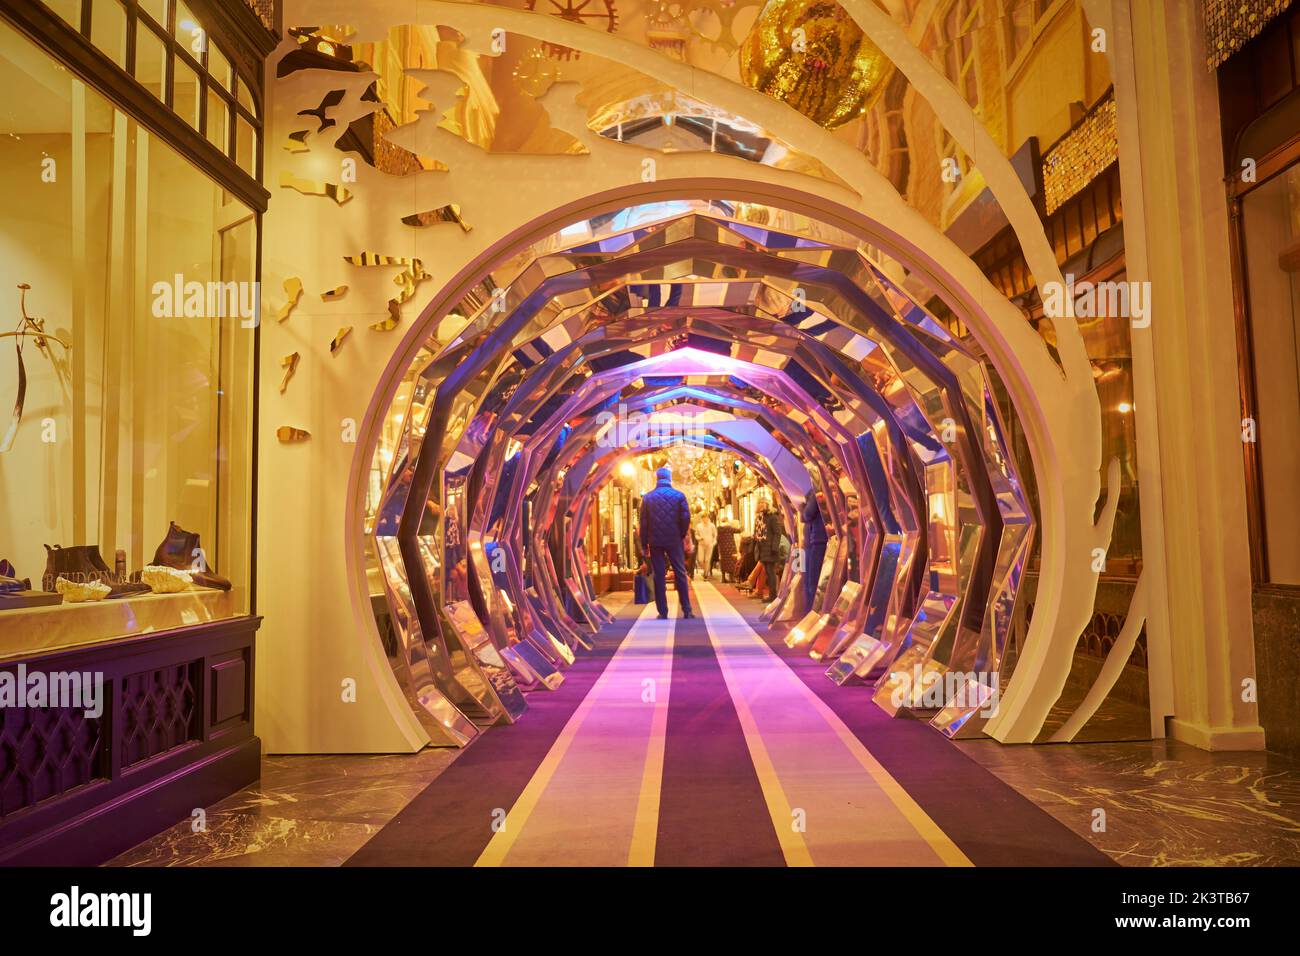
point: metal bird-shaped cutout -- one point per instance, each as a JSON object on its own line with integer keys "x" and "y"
{"x": 330, "y": 100}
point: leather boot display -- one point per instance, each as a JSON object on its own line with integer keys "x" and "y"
{"x": 181, "y": 550}
{"x": 81, "y": 564}
{"x": 17, "y": 592}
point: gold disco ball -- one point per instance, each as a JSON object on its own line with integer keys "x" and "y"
{"x": 811, "y": 55}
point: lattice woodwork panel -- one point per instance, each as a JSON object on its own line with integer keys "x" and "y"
{"x": 45, "y": 752}
{"x": 1101, "y": 633}
{"x": 159, "y": 711}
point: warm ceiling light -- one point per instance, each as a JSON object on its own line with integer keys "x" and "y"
{"x": 1124, "y": 408}
{"x": 626, "y": 469}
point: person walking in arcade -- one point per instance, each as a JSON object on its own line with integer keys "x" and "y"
{"x": 665, "y": 529}
{"x": 814, "y": 543}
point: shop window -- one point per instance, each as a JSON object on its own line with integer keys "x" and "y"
{"x": 70, "y": 10}
{"x": 186, "y": 91}
{"x": 176, "y": 60}
{"x": 150, "y": 60}
{"x": 960, "y": 22}
{"x": 954, "y": 51}
{"x": 108, "y": 29}
{"x": 189, "y": 31}
{"x": 157, "y": 9}
{"x": 1019, "y": 19}
{"x": 137, "y": 406}
{"x": 219, "y": 67}
{"x": 1270, "y": 223}
{"x": 218, "y": 121}
{"x": 246, "y": 146}
{"x": 244, "y": 97}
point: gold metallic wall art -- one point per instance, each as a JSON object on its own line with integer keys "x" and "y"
{"x": 601, "y": 14}
{"x": 812, "y": 56}
{"x": 1231, "y": 24}
{"x": 290, "y": 365}
{"x": 701, "y": 13}
{"x": 410, "y": 276}
{"x": 330, "y": 100}
{"x": 1081, "y": 155}
{"x": 432, "y": 217}
{"x": 293, "y": 292}
{"x": 288, "y": 434}
{"x": 337, "y": 342}
{"x": 315, "y": 187}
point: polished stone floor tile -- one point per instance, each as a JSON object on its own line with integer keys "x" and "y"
{"x": 1164, "y": 803}
{"x": 305, "y": 811}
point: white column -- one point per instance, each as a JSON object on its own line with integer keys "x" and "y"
{"x": 1195, "y": 541}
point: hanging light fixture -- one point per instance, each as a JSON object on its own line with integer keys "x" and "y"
{"x": 811, "y": 55}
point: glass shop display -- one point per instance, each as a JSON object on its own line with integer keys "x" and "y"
{"x": 181, "y": 550}
{"x": 126, "y": 461}
{"x": 17, "y": 592}
{"x": 83, "y": 565}
{"x": 34, "y": 329}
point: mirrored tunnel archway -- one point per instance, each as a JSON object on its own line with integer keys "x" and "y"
{"x": 782, "y": 339}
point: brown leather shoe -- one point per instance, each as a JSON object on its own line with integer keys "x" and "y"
{"x": 181, "y": 550}
{"x": 83, "y": 563}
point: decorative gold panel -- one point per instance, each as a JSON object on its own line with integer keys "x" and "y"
{"x": 1231, "y": 24}
{"x": 1081, "y": 155}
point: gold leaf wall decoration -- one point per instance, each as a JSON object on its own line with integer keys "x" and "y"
{"x": 432, "y": 217}
{"x": 287, "y": 434}
{"x": 290, "y": 365}
{"x": 833, "y": 76}
{"x": 293, "y": 290}
{"x": 315, "y": 187}
{"x": 297, "y": 142}
{"x": 394, "y": 317}
{"x": 342, "y": 334}
{"x": 329, "y": 295}
{"x": 330, "y": 100}
{"x": 411, "y": 276}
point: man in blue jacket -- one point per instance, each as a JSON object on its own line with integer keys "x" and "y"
{"x": 814, "y": 543}
{"x": 665, "y": 523}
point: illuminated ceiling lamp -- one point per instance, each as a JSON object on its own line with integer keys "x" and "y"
{"x": 811, "y": 55}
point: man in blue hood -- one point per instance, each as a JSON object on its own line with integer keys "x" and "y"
{"x": 665, "y": 524}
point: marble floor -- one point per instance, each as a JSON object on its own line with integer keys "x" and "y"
{"x": 1149, "y": 803}
{"x": 1164, "y": 803}
{"x": 305, "y": 811}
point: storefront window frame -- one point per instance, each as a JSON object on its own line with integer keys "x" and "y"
{"x": 72, "y": 48}
{"x": 1278, "y": 162}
